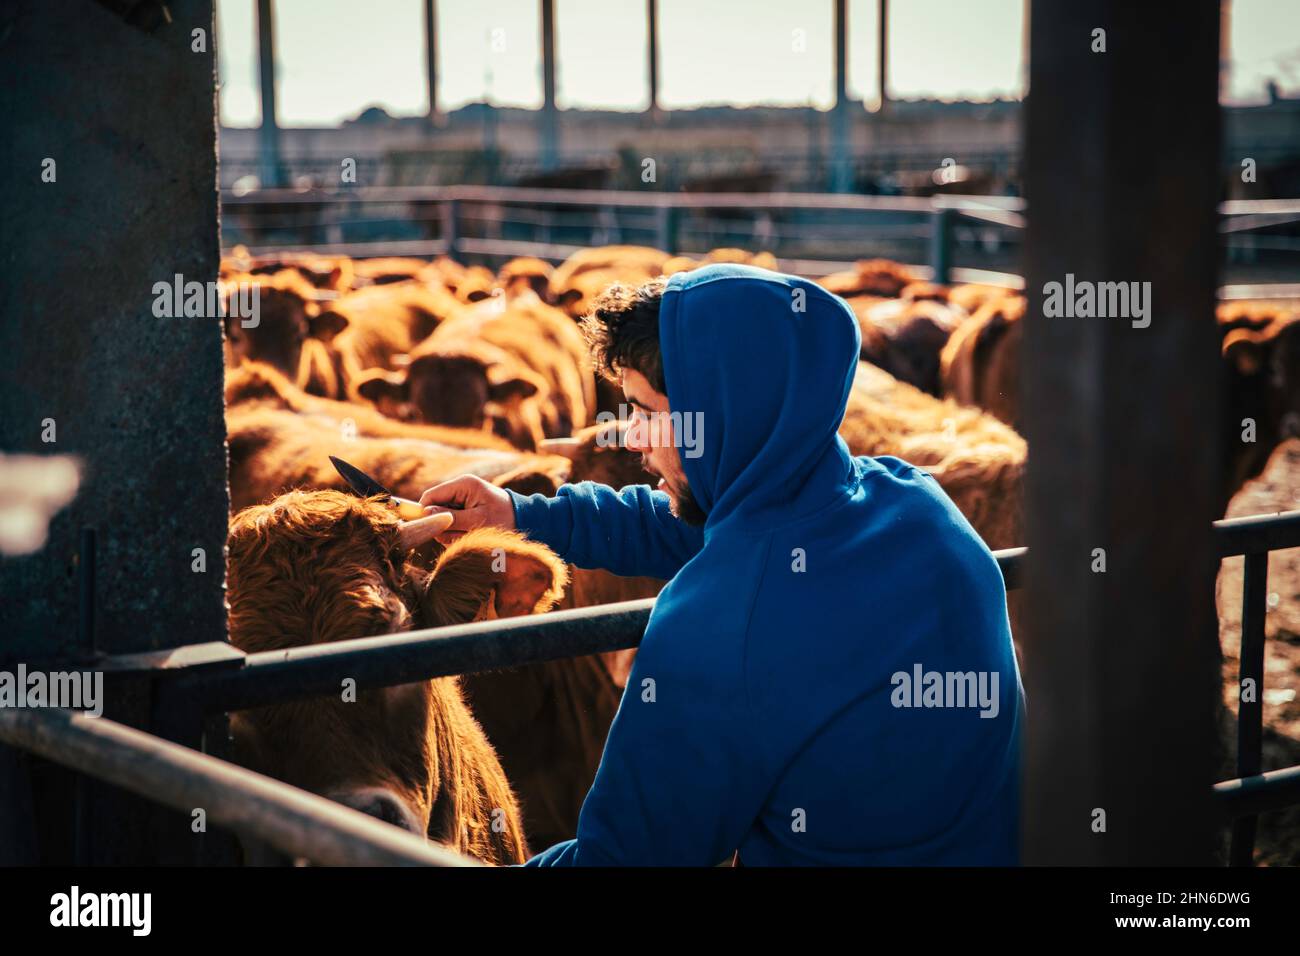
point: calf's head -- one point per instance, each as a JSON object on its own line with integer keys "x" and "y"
{"x": 288, "y": 314}
{"x": 477, "y": 387}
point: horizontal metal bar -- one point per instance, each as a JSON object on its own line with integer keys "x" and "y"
{"x": 293, "y": 821}
{"x": 635, "y": 199}
{"x": 611, "y": 198}
{"x": 1261, "y": 793}
{"x": 1257, "y": 533}
{"x": 300, "y": 672}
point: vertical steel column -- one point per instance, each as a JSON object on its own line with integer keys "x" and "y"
{"x": 436, "y": 118}
{"x": 549, "y": 131}
{"x": 667, "y": 225}
{"x": 941, "y": 243}
{"x": 652, "y": 54}
{"x": 270, "y": 173}
{"x": 1250, "y": 714}
{"x": 451, "y": 227}
{"x": 882, "y": 52}
{"x": 841, "y": 168}
{"x": 1121, "y": 161}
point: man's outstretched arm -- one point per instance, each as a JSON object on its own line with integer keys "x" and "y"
{"x": 630, "y": 532}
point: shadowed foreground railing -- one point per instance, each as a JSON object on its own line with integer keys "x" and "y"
{"x": 293, "y": 821}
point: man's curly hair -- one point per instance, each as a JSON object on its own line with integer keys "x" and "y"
{"x": 622, "y": 330}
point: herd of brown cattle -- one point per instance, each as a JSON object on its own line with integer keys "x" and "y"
{"x": 419, "y": 371}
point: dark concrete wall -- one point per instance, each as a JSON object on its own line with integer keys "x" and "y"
{"x": 128, "y": 116}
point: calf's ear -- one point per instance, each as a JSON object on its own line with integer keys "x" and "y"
{"x": 493, "y": 573}
{"x": 506, "y": 384}
{"x": 1245, "y": 350}
{"x": 326, "y": 324}
{"x": 378, "y": 386}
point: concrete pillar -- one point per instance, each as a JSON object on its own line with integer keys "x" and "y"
{"x": 122, "y": 121}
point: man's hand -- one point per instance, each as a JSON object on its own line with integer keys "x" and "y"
{"x": 472, "y": 503}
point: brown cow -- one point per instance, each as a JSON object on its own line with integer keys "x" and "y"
{"x": 288, "y": 317}
{"x": 588, "y": 272}
{"x": 905, "y": 336}
{"x": 520, "y": 367}
{"x": 272, "y": 450}
{"x": 317, "y": 567}
{"x": 254, "y": 384}
{"x": 375, "y": 328}
{"x": 979, "y": 364}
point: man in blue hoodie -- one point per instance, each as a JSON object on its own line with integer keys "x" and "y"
{"x": 828, "y": 677}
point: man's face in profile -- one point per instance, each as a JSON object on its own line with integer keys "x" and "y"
{"x": 651, "y": 435}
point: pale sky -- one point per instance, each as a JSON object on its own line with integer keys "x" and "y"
{"x": 336, "y": 57}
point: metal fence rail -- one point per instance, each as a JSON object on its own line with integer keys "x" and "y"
{"x": 293, "y": 821}
{"x": 810, "y": 233}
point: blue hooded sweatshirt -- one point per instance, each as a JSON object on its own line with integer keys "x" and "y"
{"x": 828, "y": 678}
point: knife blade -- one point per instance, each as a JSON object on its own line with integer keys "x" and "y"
{"x": 368, "y": 487}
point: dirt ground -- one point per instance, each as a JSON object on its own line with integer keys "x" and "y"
{"x": 1277, "y": 489}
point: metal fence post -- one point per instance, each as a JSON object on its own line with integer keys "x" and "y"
{"x": 1250, "y": 713}
{"x": 1121, "y": 408}
{"x": 941, "y": 243}
{"x": 451, "y": 227}
{"x": 669, "y": 224}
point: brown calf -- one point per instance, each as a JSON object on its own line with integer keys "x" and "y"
{"x": 317, "y": 567}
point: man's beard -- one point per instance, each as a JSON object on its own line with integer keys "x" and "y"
{"x": 686, "y": 508}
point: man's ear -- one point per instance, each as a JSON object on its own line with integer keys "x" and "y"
{"x": 326, "y": 324}
{"x": 494, "y": 573}
{"x": 380, "y": 386}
